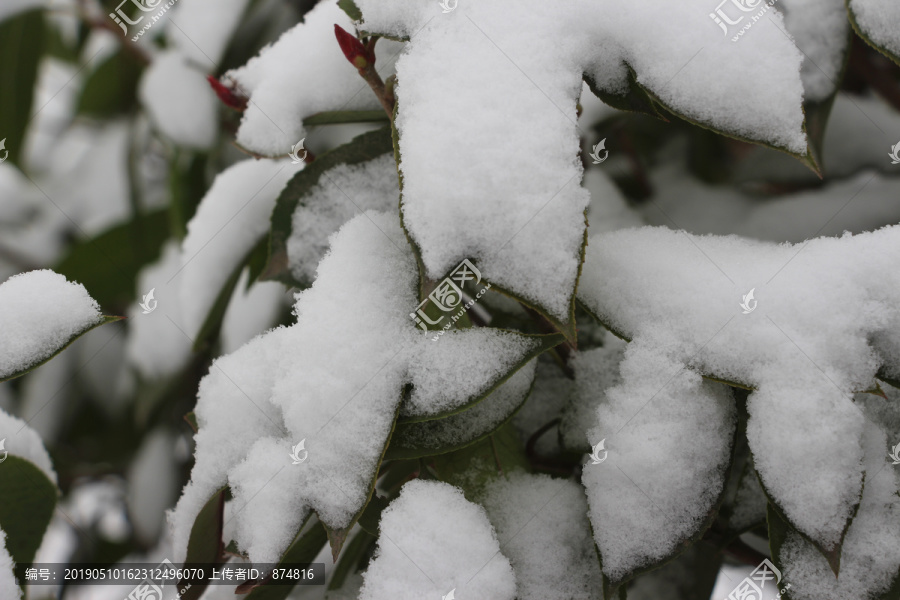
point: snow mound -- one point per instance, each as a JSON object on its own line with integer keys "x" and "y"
{"x": 24, "y": 442}
{"x": 878, "y": 21}
{"x": 431, "y": 541}
{"x": 40, "y": 312}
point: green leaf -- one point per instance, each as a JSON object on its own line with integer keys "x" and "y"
{"x": 473, "y": 466}
{"x": 103, "y": 321}
{"x": 360, "y": 149}
{"x": 111, "y": 89}
{"x": 352, "y": 559}
{"x": 439, "y": 436}
{"x": 29, "y": 498}
{"x": 108, "y": 264}
{"x": 691, "y": 576}
{"x": 336, "y": 117}
{"x": 21, "y": 48}
{"x": 205, "y": 543}
{"x": 862, "y": 34}
{"x": 349, "y": 7}
{"x": 306, "y": 546}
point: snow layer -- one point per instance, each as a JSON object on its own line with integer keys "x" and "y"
{"x": 342, "y": 193}
{"x": 9, "y": 588}
{"x": 24, "y": 442}
{"x": 820, "y": 30}
{"x": 179, "y": 101}
{"x": 542, "y": 526}
{"x": 506, "y": 92}
{"x": 201, "y": 29}
{"x": 335, "y": 380}
{"x": 878, "y": 21}
{"x": 431, "y": 541}
{"x": 251, "y": 311}
{"x": 871, "y": 552}
{"x": 232, "y": 218}
{"x": 40, "y": 312}
{"x": 286, "y": 85}
{"x": 668, "y": 441}
{"x": 823, "y": 320}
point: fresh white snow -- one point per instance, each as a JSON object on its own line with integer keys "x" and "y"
{"x": 9, "y": 588}
{"x": 24, "y": 442}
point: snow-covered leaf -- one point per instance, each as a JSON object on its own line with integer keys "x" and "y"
{"x": 29, "y": 498}
{"x": 41, "y": 313}
{"x": 876, "y": 22}
{"x": 309, "y": 540}
{"x": 821, "y": 322}
{"x": 357, "y": 176}
{"x": 205, "y": 545}
{"x": 542, "y": 527}
{"x": 258, "y": 403}
{"x": 432, "y": 541}
{"x": 506, "y": 92}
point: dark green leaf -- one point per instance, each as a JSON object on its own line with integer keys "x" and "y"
{"x": 335, "y": 117}
{"x": 108, "y": 264}
{"x": 103, "y": 321}
{"x": 349, "y": 7}
{"x": 691, "y": 576}
{"x": 361, "y": 149}
{"x": 306, "y": 546}
{"x": 21, "y": 47}
{"x": 351, "y": 559}
{"x": 29, "y": 499}
{"x": 111, "y": 88}
{"x": 205, "y": 543}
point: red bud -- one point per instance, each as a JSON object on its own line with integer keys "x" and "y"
{"x": 228, "y": 96}
{"x": 353, "y": 49}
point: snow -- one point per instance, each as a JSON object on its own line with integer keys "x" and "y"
{"x": 285, "y": 88}
{"x": 24, "y": 442}
{"x": 520, "y": 152}
{"x": 9, "y": 588}
{"x": 821, "y": 32}
{"x": 870, "y": 553}
{"x": 201, "y": 29}
{"x": 823, "y": 325}
{"x": 542, "y": 526}
{"x": 179, "y": 101}
{"x": 231, "y": 219}
{"x": 855, "y": 204}
{"x": 152, "y": 484}
{"x": 668, "y": 441}
{"x": 342, "y": 193}
{"x": 251, "y": 311}
{"x": 157, "y": 345}
{"x": 282, "y": 387}
{"x": 431, "y": 541}
{"x": 878, "y": 21}
{"x": 40, "y": 312}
